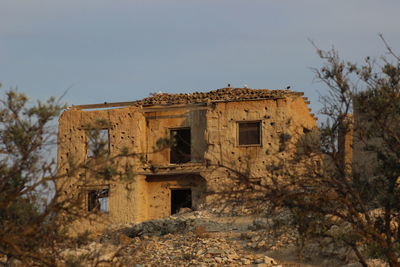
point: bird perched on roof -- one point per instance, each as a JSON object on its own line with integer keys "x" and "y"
{"x": 287, "y": 88}
{"x": 245, "y": 86}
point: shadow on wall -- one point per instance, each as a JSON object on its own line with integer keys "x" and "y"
{"x": 244, "y": 187}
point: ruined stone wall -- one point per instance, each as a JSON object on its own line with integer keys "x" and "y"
{"x": 364, "y": 158}
{"x": 283, "y": 123}
{"x": 159, "y": 124}
{"x": 125, "y": 130}
{"x": 159, "y": 192}
{"x": 215, "y": 153}
{"x": 138, "y": 198}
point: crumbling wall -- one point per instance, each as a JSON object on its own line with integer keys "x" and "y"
{"x": 137, "y": 132}
{"x": 159, "y": 124}
{"x": 217, "y": 160}
{"x": 159, "y": 192}
{"x": 126, "y": 127}
{"x": 283, "y": 122}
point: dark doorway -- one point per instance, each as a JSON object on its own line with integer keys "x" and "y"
{"x": 180, "y": 198}
{"x": 180, "y": 149}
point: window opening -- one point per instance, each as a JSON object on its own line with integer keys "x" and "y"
{"x": 98, "y": 142}
{"x": 249, "y": 133}
{"x": 181, "y": 145}
{"x": 180, "y": 198}
{"x": 98, "y": 200}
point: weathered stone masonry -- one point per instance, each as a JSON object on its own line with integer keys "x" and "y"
{"x": 230, "y": 128}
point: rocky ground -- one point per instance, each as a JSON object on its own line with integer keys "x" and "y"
{"x": 201, "y": 239}
{"x": 190, "y": 239}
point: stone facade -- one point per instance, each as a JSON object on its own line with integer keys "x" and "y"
{"x": 209, "y": 136}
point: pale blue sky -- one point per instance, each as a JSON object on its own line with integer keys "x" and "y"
{"x": 123, "y": 50}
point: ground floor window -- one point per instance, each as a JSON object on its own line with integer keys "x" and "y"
{"x": 98, "y": 200}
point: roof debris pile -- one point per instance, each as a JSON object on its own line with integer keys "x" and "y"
{"x": 227, "y": 94}
{"x": 223, "y": 94}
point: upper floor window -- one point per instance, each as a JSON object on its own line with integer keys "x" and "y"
{"x": 249, "y": 133}
{"x": 98, "y": 143}
{"x": 181, "y": 145}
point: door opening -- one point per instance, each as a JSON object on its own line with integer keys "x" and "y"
{"x": 180, "y": 198}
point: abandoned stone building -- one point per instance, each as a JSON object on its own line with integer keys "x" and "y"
{"x": 170, "y": 151}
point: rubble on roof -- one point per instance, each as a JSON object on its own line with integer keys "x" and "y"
{"x": 227, "y": 94}
{"x": 223, "y": 94}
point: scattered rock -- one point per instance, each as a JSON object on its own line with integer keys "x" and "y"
{"x": 261, "y": 244}
{"x": 353, "y": 264}
{"x": 184, "y": 210}
{"x": 174, "y": 241}
{"x": 158, "y": 227}
{"x": 262, "y": 223}
{"x": 377, "y": 263}
{"x": 270, "y": 261}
